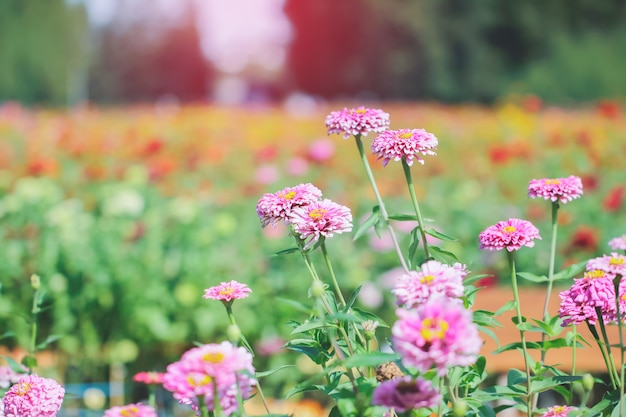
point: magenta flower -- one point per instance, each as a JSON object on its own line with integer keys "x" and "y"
{"x": 359, "y": 121}
{"x": 149, "y": 378}
{"x": 131, "y": 410}
{"x": 319, "y": 219}
{"x": 594, "y": 290}
{"x": 273, "y": 208}
{"x": 405, "y": 393}
{"x": 405, "y": 144}
{"x": 618, "y": 243}
{"x": 434, "y": 280}
{"x": 558, "y": 411}
{"x": 511, "y": 235}
{"x": 33, "y": 395}
{"x": 438, "y": 334}
{"x": 227, "y": 291}
{"x": 614, "y": 264}
{"x": 556, "y": 189}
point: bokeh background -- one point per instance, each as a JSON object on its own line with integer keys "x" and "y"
{"x": 136, "y": 138}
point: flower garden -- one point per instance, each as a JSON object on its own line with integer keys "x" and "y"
{"x": 215, "y": 261}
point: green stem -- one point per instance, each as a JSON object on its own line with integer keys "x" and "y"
{"x": 381, "y": 204}
{"x": 571, "y": 388}
{"x": 151, "y": 396}
{"x": 332, "y": 274}
{"x": 555, "y": 214}
{"x": 607, "y": 362}
{"x": 607, "y": 345}
{"x": 518, "y": 312}
{"x": 33, "y": 330}
{"x": 416, "y": 207}
{"x": 620, "y": 328}
{"x": 204, "y": 412}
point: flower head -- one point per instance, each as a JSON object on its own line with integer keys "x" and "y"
{"x": 405, "y": 144}
{"x": 558, "y": 411}
{"x": 614, "y": 264}
{"x": 511, "y": 235}
{"x": 594, "y": 290}
{"x": 556, "y": 189}
{"x": 319, "y": 219}
{"x": 618, "y": 243}
{"x": 227, "y": 291}
{"x": 405, "y": 393}
{"x": 33, "y": 395}
{"x": 359, "y": 121}
{"x": 131, "y": 410}
{"x": 436, "y": 334}
{"x": 273, "y": 208}
{"x": 150, "y": 378}
{"x": 434, "y": 280}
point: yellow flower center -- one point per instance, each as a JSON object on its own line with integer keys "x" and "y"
{"x": 405, "y": 135}
{"x": 616, "y": 261}
{"x": 509, "y": 229}
{"x": 317, "y": 213}
{"x": 214, "y": 357}
{"x": 130, "y": 411}
{"x": 198, "y": 381}
{"x": 289, "y": 195}
{"x": 558, "y": 409}
{"x": 227, "y": 291}
{"x": 596, "y": 273}
{"x": 360, "y": 111}
{"x": 434, "y": 328}
{"x": 427, "y": 279}
{"x": 23, "y": 388}
{"x": 552, "y": 182}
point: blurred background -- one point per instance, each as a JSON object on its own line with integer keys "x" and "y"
{"x": 137, "y": 137}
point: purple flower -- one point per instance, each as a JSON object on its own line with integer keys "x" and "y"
{"x": 434, "y": 280}
{"x": 618, "y": 243}
{"x": 556, "y": 189}
{"x": 273, "y": 208}
{"x": 318, "y": 219}
{"x": 33, "y": 395}
{"x": 511, "y": 235}
{"x": 614, "y": 264}
{"x": 594, "y": 290}
{"x": 405, "y": 393}
{"x": 405, "y": 144}
{"x": 131, "y": 410}
{"x": 227, "y": 291}
{"x": 558, "y": 411}
{"x": 359, "y": 121}
{"x": 439, "y": 334}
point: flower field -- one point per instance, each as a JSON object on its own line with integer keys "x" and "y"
{"x": 128, "y": 214}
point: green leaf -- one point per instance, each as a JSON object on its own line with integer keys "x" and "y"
{"x": 508, "y": 306}
{"x": 7, "y": 334}
{"x": 296, "y": 304}
{"x": 442, "y": 255}
{"x": 517, "y": 345}
{"x": 485, "y": 318}
{"x": 14, "y": 365}
{"x": 352, "y": 298}
{"x": 344, "y": 317}
{"x": 415, "y": 243}
{"x": 403, "y": 217}
{"x": 272, "y": 371}
{"x": 532, "y": 277}
{"x": 49, "y": 339}
{"x": 311, "y": 325}
{"x": 570, "y": 272}
{"x": 439, "y": 235}
{"x": 371, "y": 221}
{"x": 370, "y": 359}
{"x": 286, "y": 251}
{"x": 366, "y": 315}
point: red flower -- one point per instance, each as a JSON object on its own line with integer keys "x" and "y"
{"x": 608, "y": 109}
{"x": 585, "y": 238}
{"x": 614, "y": 199}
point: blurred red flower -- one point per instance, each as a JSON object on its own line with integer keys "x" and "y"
{"x": 614, "y": 199}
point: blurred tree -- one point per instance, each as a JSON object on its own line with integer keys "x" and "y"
{"x": 42, "y": 51}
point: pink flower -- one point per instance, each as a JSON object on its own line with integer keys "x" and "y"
{"x": 33, "y": 395}
{"x": 149, "y": 378}
{"x": 558, "y": 411}
{"x": 9, "y": 377}
{"x": 359, "y": 121}
{"x": 275, "y": 207}
{"x": 614, "y": 264}
{"x": 594, "y": 290}
{"x": 405, "y": 393}
{"x": 618, "y": 243}
{"x": 266, "y": 174}
{"x": 131, "y": 410}
{"x": 297, "y": 166}
{"x": 321, "y": 150}
{"x": 319, "y": 219}
{"x": 227, "y": 291}
{"x": 556, "y": 189}
{"x": 511, "y": 235}
{"x": 405, "y": 144}
{"x": 434, "y": 280}
{"x": 438, "y": 334}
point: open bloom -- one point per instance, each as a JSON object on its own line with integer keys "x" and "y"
{"x": 556, "y": 189}
{"x": 594, "y": 290}
{"x": 434, "y": 280}
{"x": 618, "y": 243}
{"x": 131, "y": 410}
{"x": 405, "y": 144}
{"x": 321, "y": 218}
{"x": 558, "y": 411}
{"x": 405, "y": 393}
{"x": 359, "y": 121}
{"x": 614, "y": 263}
{"x": 511, "y": 235}
{"x": 227, "y": 291}
{"x": 438, "y": 334}
{"x": 273, "y": 208}
{"x": 33, "y": 395}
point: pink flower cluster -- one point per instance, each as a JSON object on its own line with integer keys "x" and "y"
{"x": 358, "y": 121}
{"x": 594, "y": 290}
{"x": 405, "y": 393}
{"x": 273, "y": 208}
{"x": 558, "y": 411}
{"x": 404, "y": 144}
{"x": 511, "y": 235}
{"x": 33, "y": 395}
{"x": 213, "y": 368}
{"x": 556, "y": 189}
{"x": 227, "y": 291}
{"x": 131, "y": 410}
{"x": 434, "y": 280}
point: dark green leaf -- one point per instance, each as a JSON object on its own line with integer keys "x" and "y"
{"x": 314, "y": 324}
{"x": 286, "y": 251}
{"x": 403, "y": 217}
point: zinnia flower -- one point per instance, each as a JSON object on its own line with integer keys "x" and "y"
{"x": 558, "y": 411}
{"x": 33, "y": 395}
{"x": 618, "y": 243}
{"x": 434, "y": 280}
{"x": 150, "y": 378}
{"x": 438, "y": 334}
{"x": 614, "y": 264}
{"x": 405, "y": 144}
{"x": 227, "y": 291}
{"x": 359, "y": 121}
{"x": 594, "y": 290}
{"x": 319, "y": 219}
{"x": 275, "y": 207}
{"x": 131, "y": 410}
{"x": 405, "y": 393}
{"x": 556, "y": 189}
{"x": 511, "y": 235}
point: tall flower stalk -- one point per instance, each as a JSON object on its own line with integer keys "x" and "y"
{"x": 418, "y": 213}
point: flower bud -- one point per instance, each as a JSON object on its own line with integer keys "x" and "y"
{"x": 233, "y": 333}
{"x": 35, "y": 282}
{"x": 459, "y": 409}
{"x": 588, "y": 382}
{"x": 317, "y": 288}
{"x": 369, "y": 328}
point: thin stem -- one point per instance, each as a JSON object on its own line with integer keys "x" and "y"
{"x": 416, "y": 207}
{"x": 332, "y": 274}
{"x": 555, "y": 214}
{"x": 381, "y": 204}
{"x": 607, "y": 344}
{"x": 518, "y": 311}
{"x": 204, "y": 412}
{"x": 620, "y": 327}
{"x": 152, "y": 396}
{"x": 574, "y": 351}
{"x": 607, "y": 362}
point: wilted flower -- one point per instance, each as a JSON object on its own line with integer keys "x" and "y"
{"x": 556, "y": 189}
{"x": 594, "y": 290}
{"x": 438, "y": 334}
{"x": 558, "y": 411}
{"x": 434, "y": 280}
{"x": 33, "y": 395}
{"x": 614, "y": 264}
{"x": 405, "y": 144}
{"x": 618, "y": 243}
{"x": 359, "y": 121}
{"x": 227, "y": 291}
{"x": 321, "y": 218}
{"x": 149, "y": 377}
{"x": 131, "y": 410}
{"x": 405, "y": 393}
{"x": 275, "y": 207}
{"x": 511, "y": 235}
